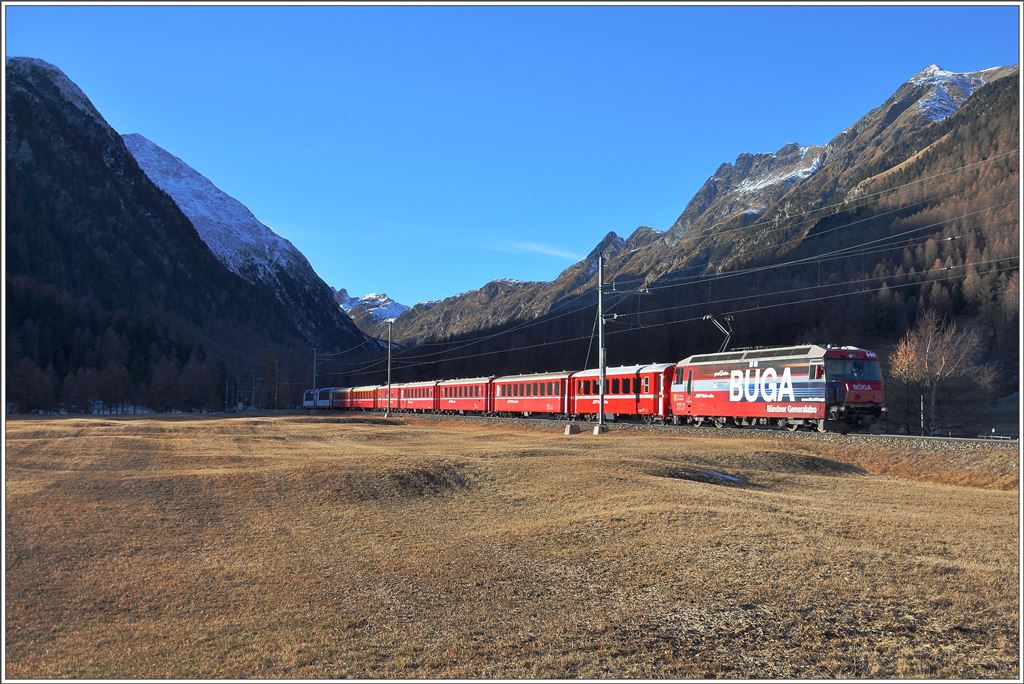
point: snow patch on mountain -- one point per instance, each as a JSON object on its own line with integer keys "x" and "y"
{"x": 788, "y": 176}
{"x": 950, "y": 90}
{"x": 236, "y": 237}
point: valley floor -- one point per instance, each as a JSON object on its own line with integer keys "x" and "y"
{"x": 354, "y": 546}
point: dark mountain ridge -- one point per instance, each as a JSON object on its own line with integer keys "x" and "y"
{"x": 106, "y": 277}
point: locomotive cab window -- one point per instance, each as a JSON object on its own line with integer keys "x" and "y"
{"x": 852, "y": 369}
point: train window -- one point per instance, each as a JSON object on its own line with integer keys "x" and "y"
{"x": 534, "y": 390}
{"x": 689, "y": 382}
{"x": 615, "y": 386}
{"x": 627, "y": 385}
{"x": 647, "y": 385}
{"x": 679, "y": 376}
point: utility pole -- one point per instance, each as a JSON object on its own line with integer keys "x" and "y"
{"x": 602, "y": 354}
{"x": 922, "y": 415}
{"x": 600, "y": 427}
{"x": 387, "y": 411}
{"x": 314, "y": 377}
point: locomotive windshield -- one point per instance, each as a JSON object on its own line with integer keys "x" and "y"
{"x": 852, "y": 369}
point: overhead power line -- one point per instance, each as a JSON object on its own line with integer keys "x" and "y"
{"x": 736, "y": 311}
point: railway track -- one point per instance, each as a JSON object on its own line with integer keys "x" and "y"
{"x": 929, "y": 442}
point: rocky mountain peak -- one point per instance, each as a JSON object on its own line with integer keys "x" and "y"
{"x": 746, "y": 187}
{"x": 611, "y": 244}
{"x": 643, "y": 236}
{"x": 41, "y": 73}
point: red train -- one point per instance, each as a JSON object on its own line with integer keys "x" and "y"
{"x": 809, "y": 386}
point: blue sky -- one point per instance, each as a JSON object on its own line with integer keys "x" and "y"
{"x": 424, "y": 151}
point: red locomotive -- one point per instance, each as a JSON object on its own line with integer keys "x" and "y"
{"x": 805, "y": 386}
{"x": 788, "y": 387}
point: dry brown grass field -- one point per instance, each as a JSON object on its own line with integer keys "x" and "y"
{"x": 352, "y": 546}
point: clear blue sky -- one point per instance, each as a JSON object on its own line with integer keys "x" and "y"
{"x": 425, "y": 151}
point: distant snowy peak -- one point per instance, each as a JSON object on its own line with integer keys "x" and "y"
{"x": 376, "y": 304}
{"x": 237, "y": 238}
{"x": 949, "y": 90}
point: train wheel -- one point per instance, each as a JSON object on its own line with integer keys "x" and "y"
{"x": 792, "y": 427}
{"x": 719, "y": 422}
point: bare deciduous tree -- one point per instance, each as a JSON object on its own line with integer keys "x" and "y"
{"x": 934, "y": 351}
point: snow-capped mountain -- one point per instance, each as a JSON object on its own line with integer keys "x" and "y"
{"x": 375, "y": 304}
{"x": 949, "y": 90}
{"x": 237, "y": 238}
{"x": 246, "y": 246}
